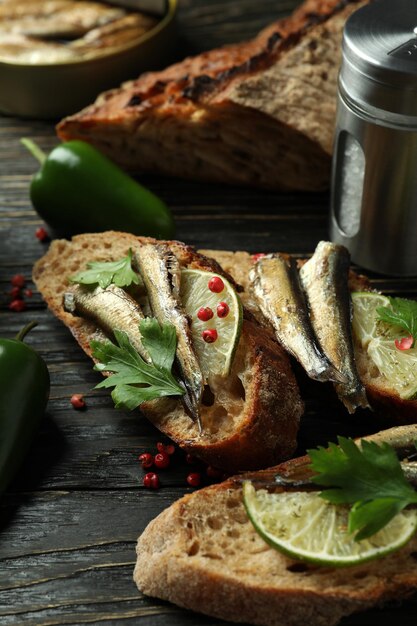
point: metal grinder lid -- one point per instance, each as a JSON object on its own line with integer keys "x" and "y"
{"x": 379, "y": 66}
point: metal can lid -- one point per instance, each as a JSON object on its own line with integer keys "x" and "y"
{"x": 379, "y": 66}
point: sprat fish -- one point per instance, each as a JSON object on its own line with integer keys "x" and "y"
{"x": 161, "y": 275}
{"x": 325, "y": 281}
{"x": 277, "y": 289}
{"x": 111, "y": 308}
{"x": 297, "y": 473}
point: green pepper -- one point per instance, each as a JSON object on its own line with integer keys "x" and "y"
{"x": 78, "y": 189}
{"x": 24, "y": 391}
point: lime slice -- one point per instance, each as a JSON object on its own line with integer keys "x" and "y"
{"x": 399, "y": 368}
{"x": 215, "y": 358}
{"x": 365, "y": 316}
{"x": 378, "y": 338}
{"x": 304, "y": 526}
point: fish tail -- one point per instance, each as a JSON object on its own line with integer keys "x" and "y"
{"x": 352, "y": 399}
{"x": 336, "y": 376}
{"x": 192, "y": 405}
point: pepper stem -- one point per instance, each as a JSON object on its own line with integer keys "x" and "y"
{"x": 25, "y": 330}
{"x": 34, "y": 149}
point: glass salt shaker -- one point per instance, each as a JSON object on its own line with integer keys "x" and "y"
{"x": 374, "y": 175}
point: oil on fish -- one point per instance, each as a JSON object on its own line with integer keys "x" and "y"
{"x": 277, "y": 289}
{"x": 161, "y": 275}
{"x": 324, "y": 279}
{"x": 111, "y": 308}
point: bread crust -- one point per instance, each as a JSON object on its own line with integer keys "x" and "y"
{"x": 202, "y": 553}
{"x": 386, "y": 403}
{"x": 270, "y": 397}
{"x": 254, "y": 419}
{"x": 246, "y": 113}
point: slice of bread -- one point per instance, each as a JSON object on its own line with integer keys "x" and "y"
{"x": 259, "y": 113}
{"x": 383, "y": 399}
{"x": 203, "y": 553}
{"x": 252, "y": 420}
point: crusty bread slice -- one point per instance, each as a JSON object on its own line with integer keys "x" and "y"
{"x": 260, "y": 113}
{"x": 383, "y": 399}
{"x": 253, "y": 420}
{"x": 203, "y": 553}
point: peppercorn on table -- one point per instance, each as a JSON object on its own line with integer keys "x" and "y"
{"x": 70, "y": 519}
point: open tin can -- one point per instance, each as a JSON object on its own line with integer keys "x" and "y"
{"x": 374, "y": 177}
{"x": 53, "y": 90}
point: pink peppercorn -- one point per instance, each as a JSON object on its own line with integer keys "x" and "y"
{"x": 215, "y": 284}
{"x": 146, "y": 459}
{"x": 17, "y": 306}
{"x": 194, "y": 479}
{"x": 151, "y": 480}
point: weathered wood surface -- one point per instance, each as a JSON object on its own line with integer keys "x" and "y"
{"x": 70, "y": 520}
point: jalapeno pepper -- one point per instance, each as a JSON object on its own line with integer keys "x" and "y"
{"x": 24, "y": 391}
{"x": 78, "y": 189}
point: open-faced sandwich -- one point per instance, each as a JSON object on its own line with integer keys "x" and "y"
{"x": 382, "y": 368}
{"x": 200, "y": 366}
{"x": 278, "y": 548}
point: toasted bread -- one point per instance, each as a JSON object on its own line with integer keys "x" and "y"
{"x": 383, "y": 399}
{"x": 261, "y": 113}
{"x": 203, "y": 553}
{"x": 258, "y": 407}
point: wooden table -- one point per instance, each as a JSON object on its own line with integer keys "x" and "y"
{"x": 70, "y": 520}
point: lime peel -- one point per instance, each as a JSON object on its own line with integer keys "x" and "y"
{"x": 303, "y": 526}
{"x": 216, "y": 355}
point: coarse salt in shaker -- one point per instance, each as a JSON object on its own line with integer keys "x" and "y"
{"x": 374, "y": 177}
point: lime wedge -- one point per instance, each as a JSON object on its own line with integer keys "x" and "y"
{"x": 225, "y": 324}
{"x": 378, "y": 338}
{"x": 304, "y": 526}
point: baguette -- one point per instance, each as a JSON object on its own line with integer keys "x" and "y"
{"x": 254, "y": 419}
{"x": 383, "y": 399}
{"x": 202, "y": 553}
{"x": 260, "y": 113}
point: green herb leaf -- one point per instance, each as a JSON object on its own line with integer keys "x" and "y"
{"x": 369, "y": 477}
{"x": 402, "y": 313}
{"x": 153, "y": 336}
{"x": 134, "y": 380}
{"x": 104, "y": 273}
{"x": 371, "y": 516}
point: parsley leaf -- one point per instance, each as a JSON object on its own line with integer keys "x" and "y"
{"x": 104, "y": 273}
{"x": 369, "y": 477}
{"x": 134, "y": 380}
{"x": 402, "y": 313}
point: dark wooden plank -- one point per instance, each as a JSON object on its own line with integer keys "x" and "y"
{"x": 210, "y": 24}
{"x": 67, "y": 510}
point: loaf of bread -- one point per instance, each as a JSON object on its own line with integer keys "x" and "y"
{"x": 254, "y": 417}
{"x": 203, "y": 553}
{"x": 260, "y": 113}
